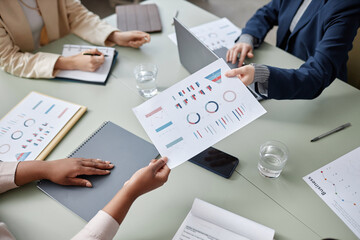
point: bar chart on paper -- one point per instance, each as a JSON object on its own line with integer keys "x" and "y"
{"x": 197, "y": 112}
{"x": 338, "y": 185}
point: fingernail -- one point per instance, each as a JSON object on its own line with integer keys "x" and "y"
{"x": 107, "y": 171}
{"x": 88, "y": 184}
{"x": 108, "y": 162}
{"x": 111, "y": 165}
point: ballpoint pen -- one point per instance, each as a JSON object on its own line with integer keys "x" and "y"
{"x": 331, "y": 132}
{"x": 94, "y": 54}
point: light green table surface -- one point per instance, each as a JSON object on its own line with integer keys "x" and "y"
{"x": 285, "y": 204}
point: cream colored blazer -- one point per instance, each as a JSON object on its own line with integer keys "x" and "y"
{"x": 61, "y": 17}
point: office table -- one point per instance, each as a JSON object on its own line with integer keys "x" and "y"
{"x": 285, "y": 204}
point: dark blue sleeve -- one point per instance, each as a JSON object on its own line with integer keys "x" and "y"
{"x": 263, "y": 20}
{"x": 320, "y": 70}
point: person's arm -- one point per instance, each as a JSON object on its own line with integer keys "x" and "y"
{"x": 105, "y": 224}
{"x": 64, "y": 172}
{"x": 28, "y": 65}
{"x": 88, "y": 26}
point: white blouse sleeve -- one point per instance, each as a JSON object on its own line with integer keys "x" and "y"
{"x": 7, "y": 176}
{"x": 100, "y": 227}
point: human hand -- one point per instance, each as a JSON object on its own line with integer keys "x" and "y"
{"x": 81, "y": 62}
{"x": 244, "y": 49}
{"x": 65, "y": 171}
{"x": 245, "y": 74}
{"x": 133, "y": 39}
{"x": 148, "y": 178}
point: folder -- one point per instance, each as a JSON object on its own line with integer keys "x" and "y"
{"x": 111, "y": 143}
{"x": 144, "y": 17}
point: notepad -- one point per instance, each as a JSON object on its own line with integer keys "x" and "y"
{"x": 100, "y": 76}
{"x": 144, "y": 17}
{"x": 35, "y": 126}
{"x": 207, "y": 221}
{"x": 111, "y": 143}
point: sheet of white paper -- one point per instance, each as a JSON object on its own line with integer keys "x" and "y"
{"x": 197, "y": 112}
{"x": 31, "y": 125}
{"x": 99, "y": 75}
{"x": 338, "y": 185}
{"x": 206, "y": 221}
{"x": 215, "y": 34}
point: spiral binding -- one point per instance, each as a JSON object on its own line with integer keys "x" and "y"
{"x": 88, "y": 139}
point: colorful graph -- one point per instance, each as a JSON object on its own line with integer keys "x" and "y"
{"x": 169, "y": 145}
{"x": 211, "y": 107}
{"x": 215, "y": 76}
{"x": 37, "y": 105}
{"x": 229, "y": 96}
{"x": 193, "y": 118}
{"x": 17, "y": 135}
{"x": 153, "y": 112}
{"x": 4, "y": 148}
{"x": 22, "y": 156}
{"x": 63, "y": 112}
{"x": 47, "y": 111}
{"x": 29, "y": 122}
{"x": 164, "y": 126}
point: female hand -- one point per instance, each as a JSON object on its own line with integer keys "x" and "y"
{"x": 81, "y": 62}
{"x": 244, "y": 49}
{"x": 65, "y": 171}
{"x": 148, "y": 178}
{"x": 245, "y": 74}
{"x": 133, "y": 39}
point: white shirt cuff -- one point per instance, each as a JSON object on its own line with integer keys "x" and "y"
{"x": 7, "y": 176}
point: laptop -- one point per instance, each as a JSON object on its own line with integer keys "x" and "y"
{"x": 195, "y": 55}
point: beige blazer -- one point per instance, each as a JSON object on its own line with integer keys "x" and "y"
{"x": 61, "y": 17}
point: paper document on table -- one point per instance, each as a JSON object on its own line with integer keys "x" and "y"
{"x": 206, "y": 221}
{"x": 33, "y": 128}
{"x": 197, "y": 112}
{"x": 338, "y": 185}
{"x": 100, "y": 75}
{"x": 215, "y": 34}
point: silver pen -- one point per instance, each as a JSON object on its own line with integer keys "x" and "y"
{"x": 331, "y": 132}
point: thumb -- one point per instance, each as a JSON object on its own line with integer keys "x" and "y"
{"x": 250, "y": 54}
{"x": 79, "y": 182}
{"x": 234, "y": 72}
{"x": 158, "y": 165}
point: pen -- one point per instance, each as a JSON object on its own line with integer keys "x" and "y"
{"x": 94, "y": 54}
{"x": 176, "y": 15}
{"x": 331, "y": 132}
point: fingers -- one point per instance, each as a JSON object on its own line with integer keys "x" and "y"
{"x": 78, "y": 182}
{"x": 234, "y": 72}
{"x": 96, "y": 163}
{"x": 158, "y": 164}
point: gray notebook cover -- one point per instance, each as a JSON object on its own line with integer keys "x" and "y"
{"x": 110, "y": 143}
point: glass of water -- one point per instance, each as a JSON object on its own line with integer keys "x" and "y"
{"x": 145, "y": 75}
{"x": 273, "y": 157}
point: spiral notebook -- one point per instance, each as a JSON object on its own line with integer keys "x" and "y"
{"x": 112, "y": 143}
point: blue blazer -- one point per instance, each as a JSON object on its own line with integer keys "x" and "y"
{"x": 323, "y": 37}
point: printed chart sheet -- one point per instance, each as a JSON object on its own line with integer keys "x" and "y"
{"x": 197, "y": 112}
{"x": 338, "y": 185}
{"x": 215, "y": 34}
{"x": 31, "y": 125}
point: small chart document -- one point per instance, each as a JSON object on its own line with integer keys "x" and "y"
{"x": 208, "y": 222}
{"x": 30, "y": 127}
{"x": 197, "y": 112}
{"x": 215, "y": 34}
{"x": 338, "y": 185}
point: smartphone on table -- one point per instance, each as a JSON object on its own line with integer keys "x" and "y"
{"x": 216, "y": 161}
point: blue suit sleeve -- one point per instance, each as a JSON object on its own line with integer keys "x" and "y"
{"x": 319, "y": 70}
{"x": 263, "y": 21}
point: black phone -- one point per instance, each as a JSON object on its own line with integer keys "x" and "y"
{"x": 216, "y": 161}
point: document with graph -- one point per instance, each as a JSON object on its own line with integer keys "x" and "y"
{"x": 34, "y": 126}
{"x": 206, "y": 221}
{"x": 338, "y": 185}
{"x": 197, "y": 112}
